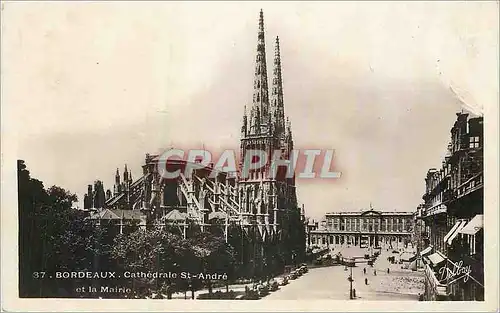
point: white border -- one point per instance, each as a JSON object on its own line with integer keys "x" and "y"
{"x": 9, "y": 257}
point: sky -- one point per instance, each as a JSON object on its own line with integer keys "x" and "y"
{"x": 92, "y": 86}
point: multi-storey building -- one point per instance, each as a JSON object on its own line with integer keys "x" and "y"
{"x": 452, "y": 237}
{"x": 257, "y": 212}
{"x": 368, "y": 228}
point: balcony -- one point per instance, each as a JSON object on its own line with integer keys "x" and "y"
{"x": 438, "y": 208}
{"x": 474, "y": 183}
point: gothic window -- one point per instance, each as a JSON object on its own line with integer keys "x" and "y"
{"x": 258, "y": 84}
{"x": 247, "y": 202}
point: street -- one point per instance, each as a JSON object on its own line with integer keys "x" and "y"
{"x": 330, "y": 283}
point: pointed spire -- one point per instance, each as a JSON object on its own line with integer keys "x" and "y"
{"x": 245, "y": 123}
{"x": 125, "y": 174}
{"x": 260, "y": 91}
{"x": 277, "y": 103}
{"x": 117, "y": 186}
{"x": 117, "y": 176}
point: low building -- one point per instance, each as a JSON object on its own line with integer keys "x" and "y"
{"x": 368, "y": 228}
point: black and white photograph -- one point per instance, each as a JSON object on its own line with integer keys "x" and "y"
{"x": 187, "y": 151}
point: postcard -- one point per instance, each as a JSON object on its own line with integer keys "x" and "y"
{"x": 274, "y": 156}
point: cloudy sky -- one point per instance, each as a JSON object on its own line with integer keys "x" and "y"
{"x": 89, "y": 86}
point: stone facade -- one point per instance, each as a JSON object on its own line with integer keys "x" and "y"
{"x": 370, "y": 228}
{"x": 452, "y": 215}
{"x": 257, "y": 213}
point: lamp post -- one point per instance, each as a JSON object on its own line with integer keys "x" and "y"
{"x": 350, "y": 279}
{"x": 350, "y": 289}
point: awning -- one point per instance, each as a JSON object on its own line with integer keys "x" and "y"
{"x": 475, "y": 225}
{"x": 457, "y": 230}
{"x": 452, "y": 231}
{"x": 426, "y": 251}
{"x": 407, "y": 257}
{"x": 413, "y": 258}
{"x": 436, "y": 258}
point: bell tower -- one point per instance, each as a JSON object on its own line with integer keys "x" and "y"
{"x": 269, "y": 202}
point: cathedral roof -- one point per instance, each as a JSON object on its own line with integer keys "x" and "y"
{"x": 217, "y": 215}
{"x": 108, "y": 214}
{"x": 175, "y": 215}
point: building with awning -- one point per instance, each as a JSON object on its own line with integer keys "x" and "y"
{"x": 426, "y": 251}
{"x": 436, "y": 258}
{"x": 475, "y": 225}
{"x": 406, "y": 256}
{"x": 452, "y": 216}
{"x": 435, "y": 290}
{"x": 454, "y": 231}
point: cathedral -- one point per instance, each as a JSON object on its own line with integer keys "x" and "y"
{"x": 257, "y": 213}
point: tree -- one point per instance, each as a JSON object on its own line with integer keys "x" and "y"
{"x": 215, "y": 255}
{"x": 151, "y": 251}
{"x": 31, "y": 197}
{"x": 52, "y": 237}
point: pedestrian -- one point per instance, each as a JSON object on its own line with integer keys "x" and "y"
{"x": 375, "y": 272}
{"x": 354, "y": 293}
{"x": 366, "y": 281}
{"x": 364, "y": 270}
{"x": 387, "y": 270}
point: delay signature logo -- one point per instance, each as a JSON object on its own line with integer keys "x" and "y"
{"x": 455, "y": 272}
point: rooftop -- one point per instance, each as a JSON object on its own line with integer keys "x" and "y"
{"x": 368, "y": 211}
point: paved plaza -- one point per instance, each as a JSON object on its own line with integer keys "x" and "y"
{"x": 330, "y": 283}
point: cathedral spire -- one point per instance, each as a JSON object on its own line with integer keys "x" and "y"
{"x": 260, "y": 90}
{"x": 117, "y": 187}
{"x": 125, "y": 174}
{"x": 277, "y": 103}
{"x": 117, "y": 177}
{"x": 245, "y": 123}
